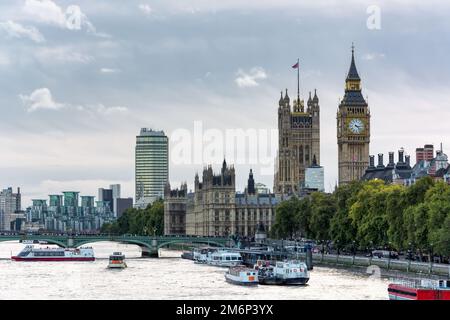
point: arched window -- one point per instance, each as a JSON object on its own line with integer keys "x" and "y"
{"x": 300, "y": 154}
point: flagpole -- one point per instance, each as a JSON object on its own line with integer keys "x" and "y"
{"x": 298, "y": 82}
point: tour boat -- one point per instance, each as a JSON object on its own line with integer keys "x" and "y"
{"x": 289, "y": 272}
{"x": 224, "y": 258}
{"x": 30, "y": 253}
{"x": 242, "y": 276}
{"x": 117, "y": 261}
{"x": 420, "y": 290}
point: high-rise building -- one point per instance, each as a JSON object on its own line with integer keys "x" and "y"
{"x": 115, "y": 190}
{"x": 151, "y": 166}
{"x": 10, "y": 203}
{"x": 65, "y": 214}
{"x": 298, "y": 142}
{"x": 106, "y": 196}
{"x": 121, "y": 205}
{"x": 115, "y": 195}
{"x": 353, "y": 129}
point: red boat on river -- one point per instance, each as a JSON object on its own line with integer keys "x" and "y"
{"x": 420, "y": 290}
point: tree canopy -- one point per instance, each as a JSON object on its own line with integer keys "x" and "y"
{"x": 372, "y": 214}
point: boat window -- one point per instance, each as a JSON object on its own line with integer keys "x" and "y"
{"x": 228, "y": 258}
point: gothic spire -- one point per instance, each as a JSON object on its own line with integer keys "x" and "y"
{"x": 286, "y": 97}
{"x": 314, "y": 162}
{"x": 353, "y": 73}
{"x": 315, "y": 99}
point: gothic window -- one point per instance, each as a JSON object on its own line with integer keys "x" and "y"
{"x": 300, "y": 154}
{"x": 307, "y": 154}
{"x": 216, "y": 216}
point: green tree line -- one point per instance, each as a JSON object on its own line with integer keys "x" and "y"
{"x": 148, "y": 221}
{"x": 372, "y": 214}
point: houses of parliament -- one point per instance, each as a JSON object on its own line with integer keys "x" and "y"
{"x": 215, "y": 208}
{"x": 299, "y": 136}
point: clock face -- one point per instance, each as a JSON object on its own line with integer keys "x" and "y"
{"x": 356, "y": 126}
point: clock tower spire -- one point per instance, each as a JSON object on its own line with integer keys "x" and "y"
{"x": 353, "y": 128}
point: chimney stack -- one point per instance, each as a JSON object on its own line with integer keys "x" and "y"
{"x": 408, "y": 160}
{"x": 391, "y": 159}
{"x": 380, "y": 160}
{"x": 400, "y": 155}
{"x": 371, "y": 161}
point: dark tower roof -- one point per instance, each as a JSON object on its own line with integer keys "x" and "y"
{"x": 314, "y": 162}
{"x": 353, "y": 95}
{"x": 286, "y": 97}
{"x": 224, "y": 166}
{"x": 251, "y": 183}
{"x": 353, "y": 73}
{"x": 315, "y": 99}
{"x": 281, "y": 102}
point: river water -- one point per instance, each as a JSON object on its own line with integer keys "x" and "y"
{"x": 168, "y": 277}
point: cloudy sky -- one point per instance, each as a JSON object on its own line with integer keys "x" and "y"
{"x": 79, "y": 78}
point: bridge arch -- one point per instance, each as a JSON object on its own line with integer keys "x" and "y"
{"x": 192, "y": 241}
{"x": 127, "y": 241}
{"x": 48, "y": 241}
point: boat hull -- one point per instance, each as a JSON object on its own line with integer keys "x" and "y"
{"x": 53, "y": 259}
{"x": 240, "y": 283}
{"x": 117, "y": 266}
{"x": 280, "y": 281}
{"x": 399, "y": 292}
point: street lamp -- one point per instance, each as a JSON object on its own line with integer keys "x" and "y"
{"x": 431, "y": 257}
{"x": 354, "y": 252}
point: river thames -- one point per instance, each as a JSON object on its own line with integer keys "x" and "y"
{"x": 168, "y": 277}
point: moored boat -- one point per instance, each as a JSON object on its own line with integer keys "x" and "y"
{"x": 289, "y": 272}
{"x": 224, "y": 258}
{"x": 419, "y": 290}
{"x": 189, "y": 255}
{"x": 30, "y": 253}
{"x": 242, "y": 276}
{"x": 117, "y": 261}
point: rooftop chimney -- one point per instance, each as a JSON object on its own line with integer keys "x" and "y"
{"x": 380, "y": 161}
{"x": 371, "y": 161}
{"x": 400, "y": 155}
{"x": 391, "y": 159}
{"x": 408, "y": 160}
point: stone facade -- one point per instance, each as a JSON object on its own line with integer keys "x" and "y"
{"x": 215, "y": 209}
{"x": 298, "y": 142}
{"x": 353, "y": 129}
{"x": 175, "y": 210}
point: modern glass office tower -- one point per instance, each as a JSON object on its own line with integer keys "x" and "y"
{"x": 151, "y": 166}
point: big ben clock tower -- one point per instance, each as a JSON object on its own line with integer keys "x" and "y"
{"x": 353, "y": 129}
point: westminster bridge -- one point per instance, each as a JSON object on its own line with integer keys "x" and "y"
{"x": 149, "y": 245}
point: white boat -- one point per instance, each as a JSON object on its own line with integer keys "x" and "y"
{"x": 117, "y": 261}
{"x": 30, "y": 253}
{"x": 224, "y": 258}
{"x": 200, "y": 255}
{"x": 242, "y": 276}
{"x": 289, "y": 272}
